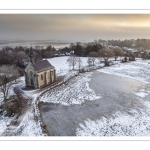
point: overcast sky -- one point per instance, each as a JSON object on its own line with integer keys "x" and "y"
{"x": 74, "y": 27}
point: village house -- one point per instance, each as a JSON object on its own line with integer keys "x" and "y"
{"x": 39, "y": 73}
{"x": 58, "y": 53}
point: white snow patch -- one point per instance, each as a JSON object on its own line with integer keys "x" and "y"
{"x": 28, "y": 126}
{"x": 141, "y": 94}
{"x": 131, "y": 123}
{"x": 4, "y": 122}
{"x": 138, "y": 70}
{"x": 62, "y": 67}
{"x": 76, "y": 92}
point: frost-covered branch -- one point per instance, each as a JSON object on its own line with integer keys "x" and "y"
{"x": 8, "y": 76}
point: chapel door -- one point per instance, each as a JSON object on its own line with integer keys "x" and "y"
{"x": 32, "y": 83}
{"x": 31, "y": 79}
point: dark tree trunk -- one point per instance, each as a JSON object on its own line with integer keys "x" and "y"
{"x": 106, "y": 63}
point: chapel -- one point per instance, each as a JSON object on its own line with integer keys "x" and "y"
{"x": 40, "y": 73}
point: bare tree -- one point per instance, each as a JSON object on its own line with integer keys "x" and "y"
{"x": 20, "y": 56}
{"x": 72, "y": 60}
{"x": 93, "y": 56}
{"x": 10, "y": 57}
{"x": 118, "y": 52}
{"x": 106, "y": 54}
{"x": 79, "y": 61}
{"x": 8, "y": 76}
{"x": 89, "y": 61}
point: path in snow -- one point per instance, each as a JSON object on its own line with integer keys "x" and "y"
{"x": 26, "y": 124}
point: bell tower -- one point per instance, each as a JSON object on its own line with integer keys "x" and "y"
{"x": 31, "y": 55}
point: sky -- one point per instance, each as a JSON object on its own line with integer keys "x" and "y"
{"x": 74, "y": 27}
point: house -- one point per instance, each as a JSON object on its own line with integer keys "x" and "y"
{"x": 58, "y": 53}
{"x": 39, "y": 73}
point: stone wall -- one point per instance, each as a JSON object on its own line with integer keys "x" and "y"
{"x": 45, "y": 77}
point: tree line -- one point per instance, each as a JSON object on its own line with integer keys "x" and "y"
{"x": 132, "y": 43}
{"x": 104, "y": 53}
{"x": 16, "y": 56}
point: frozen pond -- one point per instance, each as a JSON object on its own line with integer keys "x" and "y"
{"x": 118, "y": 94}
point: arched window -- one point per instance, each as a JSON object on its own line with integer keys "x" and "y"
{"x": 48, "y": 75}
{"x": 31, "y": 73}
{"x": 52, "y": 73}
{"x": 41, "y": 77}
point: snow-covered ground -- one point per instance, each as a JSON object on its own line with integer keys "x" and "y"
{"x": 138, "y": 70}
{"x": 62, "y": 67}
{"x": 60, "y": 64}
{"x": 132, "y": 123}
{"x": 19, "y": 82}
{"x": 135, "y": 122}
{"x": 4, "y": 121}
{"x": 76, "y": 92}
{"x": 27, "y": 125}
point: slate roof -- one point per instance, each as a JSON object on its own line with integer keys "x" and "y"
{"x": 42, "y": 65}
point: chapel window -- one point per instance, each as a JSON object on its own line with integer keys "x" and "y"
{"x": 41, "y": 77}
{"x": 31, "y": 73}
{"x": 51, "y": 73}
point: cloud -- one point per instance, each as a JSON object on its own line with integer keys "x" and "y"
{"x": 75, "y": 26}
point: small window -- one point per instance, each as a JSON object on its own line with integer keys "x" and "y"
{"x": 41, "y": 77}
{"x": 51, "y": 73}
{"x": 48, "y": 75}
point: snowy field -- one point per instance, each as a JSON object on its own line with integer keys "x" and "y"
{"x": 62, "y": 67}
{"x": 27, "y": 125}
{"x": 138, "y": 70}
{"x": 76, "y": 92}
{"x": 135, "y": 122}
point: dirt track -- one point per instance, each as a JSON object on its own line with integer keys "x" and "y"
{"x": 118, "y": 95}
